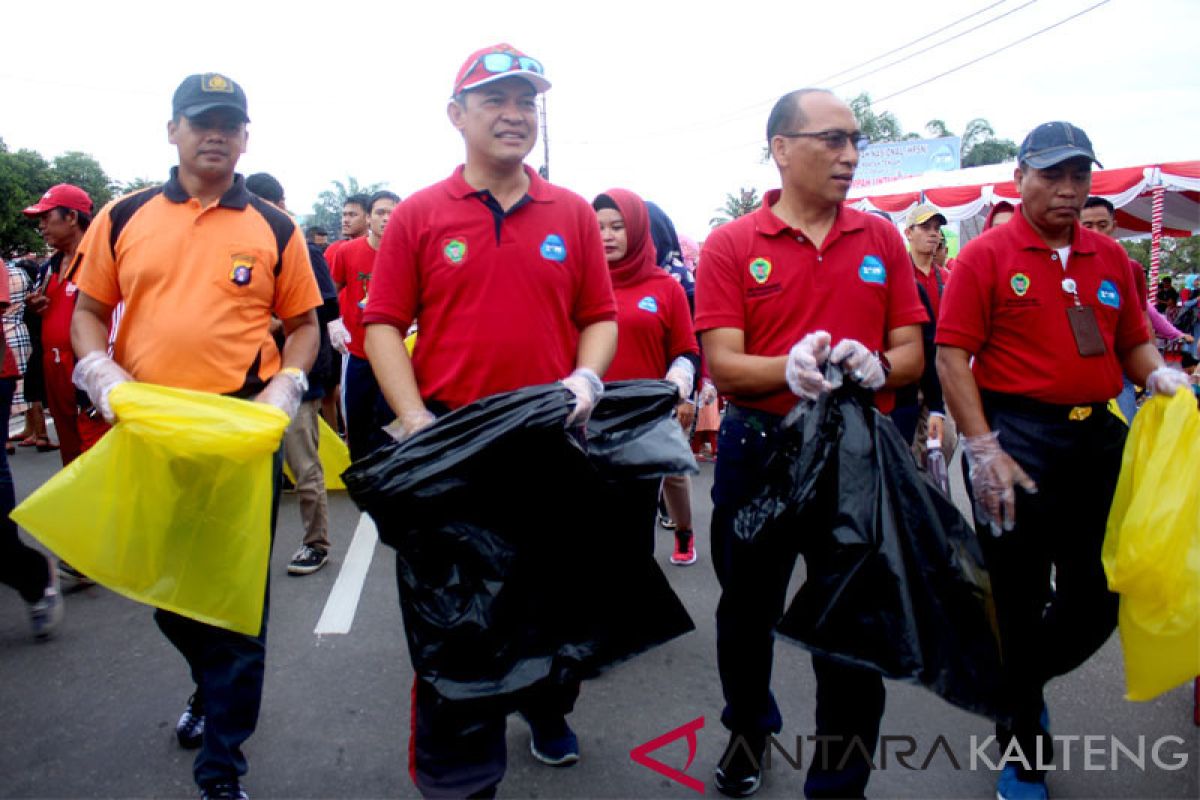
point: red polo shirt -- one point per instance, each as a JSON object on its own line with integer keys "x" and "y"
{"x": 761, "y": 276}
{"x": 1007, "y": 307}
{"x": 352, "y": 265}
{"x": 8, "y": 369}
{"x": 654, "y": 327}
{"x": 500, "y": 297}
{"x": 930, "y": 284}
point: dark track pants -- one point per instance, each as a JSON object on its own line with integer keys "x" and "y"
{"x": 850, "y": 701}
{"x": 1045, "y": 633}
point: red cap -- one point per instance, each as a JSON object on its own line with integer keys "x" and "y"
{"x": 63, "y": 195}
{"x": 496, "y": 62}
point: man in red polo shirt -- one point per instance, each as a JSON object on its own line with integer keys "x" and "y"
{"x": 1051, "y": 315}
{"x": 351, "y": 268}
{"x": 506, "y": 277}
{"x": 801, "y": 281}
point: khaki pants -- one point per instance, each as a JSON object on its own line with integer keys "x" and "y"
{"x": 300, "y": 449}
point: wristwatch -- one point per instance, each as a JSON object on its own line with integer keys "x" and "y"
{"x": 884, "y": 362}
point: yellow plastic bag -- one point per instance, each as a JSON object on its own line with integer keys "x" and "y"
{"x": 172, "y": 507}
{"x": 1151, "y": 548}
{"x": 334, "y": 456}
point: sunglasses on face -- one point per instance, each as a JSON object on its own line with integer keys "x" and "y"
{"x": 496, "y": 63}
{"x": 833, "y": 139}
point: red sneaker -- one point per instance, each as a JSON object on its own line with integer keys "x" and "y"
{"x": 685, "y": 549}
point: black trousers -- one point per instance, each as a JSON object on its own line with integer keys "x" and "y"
{"x": 850, "y": 700}
{"x": 1047, "y": 632}
{"x": 21, "y": 567}
{"x": 227, "y": 668}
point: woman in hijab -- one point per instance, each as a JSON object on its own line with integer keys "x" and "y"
{"x": 655, "y": 335}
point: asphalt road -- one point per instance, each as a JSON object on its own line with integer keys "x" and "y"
{"x": 91, "y": 713}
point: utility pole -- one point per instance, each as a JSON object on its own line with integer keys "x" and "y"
{"x": 545, "y": 170}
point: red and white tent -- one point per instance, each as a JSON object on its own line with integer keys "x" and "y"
{"x": 967, "y": 193}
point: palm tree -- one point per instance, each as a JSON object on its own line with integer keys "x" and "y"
{"x": 736, "y": 205}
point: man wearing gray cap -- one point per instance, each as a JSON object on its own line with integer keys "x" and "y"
{"x": 1050, "y": 313}
{"x": 201, "y": 265}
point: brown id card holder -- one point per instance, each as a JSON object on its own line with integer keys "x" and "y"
{"x": 1088, "y": 339}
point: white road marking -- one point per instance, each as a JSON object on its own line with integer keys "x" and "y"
{"x": 342, "y": 604}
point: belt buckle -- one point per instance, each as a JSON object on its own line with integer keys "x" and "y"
{"x": 1079, "y": 413}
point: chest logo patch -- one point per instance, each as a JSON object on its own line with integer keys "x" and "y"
{"x": 871, "y": 271}
{"x": 648, "y": 303}
{"x": 454, "y": 250}
{"x": 1108, "y": 295}
{"x": 554, "y": 249}
{"x": 760, "y": 270}
{"x": 242, "y": 270}
{"x": 1019, "y": 283}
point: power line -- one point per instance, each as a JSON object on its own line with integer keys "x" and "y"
{"x": 910, "y": 44}
{"x": 989, "y": 55}
{"x": 933, "y": 46}
{"x": 740, "y": 113}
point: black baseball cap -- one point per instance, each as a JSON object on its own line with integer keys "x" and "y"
{"x": 1053, "y": 143}
{"x": 206, "y": 91}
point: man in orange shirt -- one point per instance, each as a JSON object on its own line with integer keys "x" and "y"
{"x": 201, "y": 254}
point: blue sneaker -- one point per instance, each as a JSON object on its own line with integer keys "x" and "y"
{"x": 553, "y": 742}
{"x": 1011, "y": 787}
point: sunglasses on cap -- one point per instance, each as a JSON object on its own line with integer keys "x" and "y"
{"x": 833, "y": 139}
{"x": 497, "y": 63}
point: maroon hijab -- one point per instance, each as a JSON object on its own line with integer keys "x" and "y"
{"x": 638, "y": 264}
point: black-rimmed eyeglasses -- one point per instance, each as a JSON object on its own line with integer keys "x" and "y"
{"x": 833, "y": 139}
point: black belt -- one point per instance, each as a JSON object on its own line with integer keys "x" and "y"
{"x": 999, "y": 401}
{"x": 755, "y": 419}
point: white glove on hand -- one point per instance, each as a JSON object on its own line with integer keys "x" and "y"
{"x": 409, "y": 424}
{"x": 993, "y": 473}
{"x": 860, "y": 364}
{"x": 683, "y": 375}
{"x": 1166, "y": 380}
{"x": 97, "y": 374}
{"x": 708, "y": 393}
{"x": 338, "y": 335}
{"x": 285, "y": 391}
{"x": 588, "y": 389}
{"x": 803, "y": 372}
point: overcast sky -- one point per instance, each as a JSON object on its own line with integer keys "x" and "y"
{"x": 666, "y": 98}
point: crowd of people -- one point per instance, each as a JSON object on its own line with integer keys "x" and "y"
{"x": 1013, "y": 348}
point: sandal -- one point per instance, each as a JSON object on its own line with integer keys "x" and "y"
{"x": 28, "y": 441}
{"x": 45, "y": 446}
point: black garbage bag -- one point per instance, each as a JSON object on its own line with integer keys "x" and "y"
{"x": 513, "y": 564}
{"x": 895, "y": 576}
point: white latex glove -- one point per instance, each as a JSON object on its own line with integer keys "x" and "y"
{"x": 588, "y": 389}
{"x": 803, "y": 372}
{"x": 1166, "y": 380}
{"x": 708, "y": 393}
{"x": 338, "y": 335}
{"x": 683, "y": 375}
{"x": 860, "y": 364}
{"x": 97, "y": 374}
{"x": 285, "y": 391}
{"x": 993, "y": 474}
{"x": 409, "y": 423}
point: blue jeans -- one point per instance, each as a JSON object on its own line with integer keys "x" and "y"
{"x": 227, "y": 668}
{"x": 850, "y": 701}
{"x": 366, "y": 410}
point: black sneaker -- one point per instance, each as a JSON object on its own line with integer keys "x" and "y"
{"x": 739, "y": 773}
{"x": 223, "y": 790}
{"x": 307, "y": 560}
{"x": 190, "y": 728}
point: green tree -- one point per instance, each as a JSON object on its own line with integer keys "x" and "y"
{"x": 736, "y": 205}
{"x": 137, "y": 184}
{"x": 1178, "y": 256}
{"x": 980, "y": 145}
{"x": 881, "y": 127}
{"x": 327, "y": 211}
{"x": 937, "y": 129}
{"x": 24, "y": 176}
{"x": 80, "y": 169}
